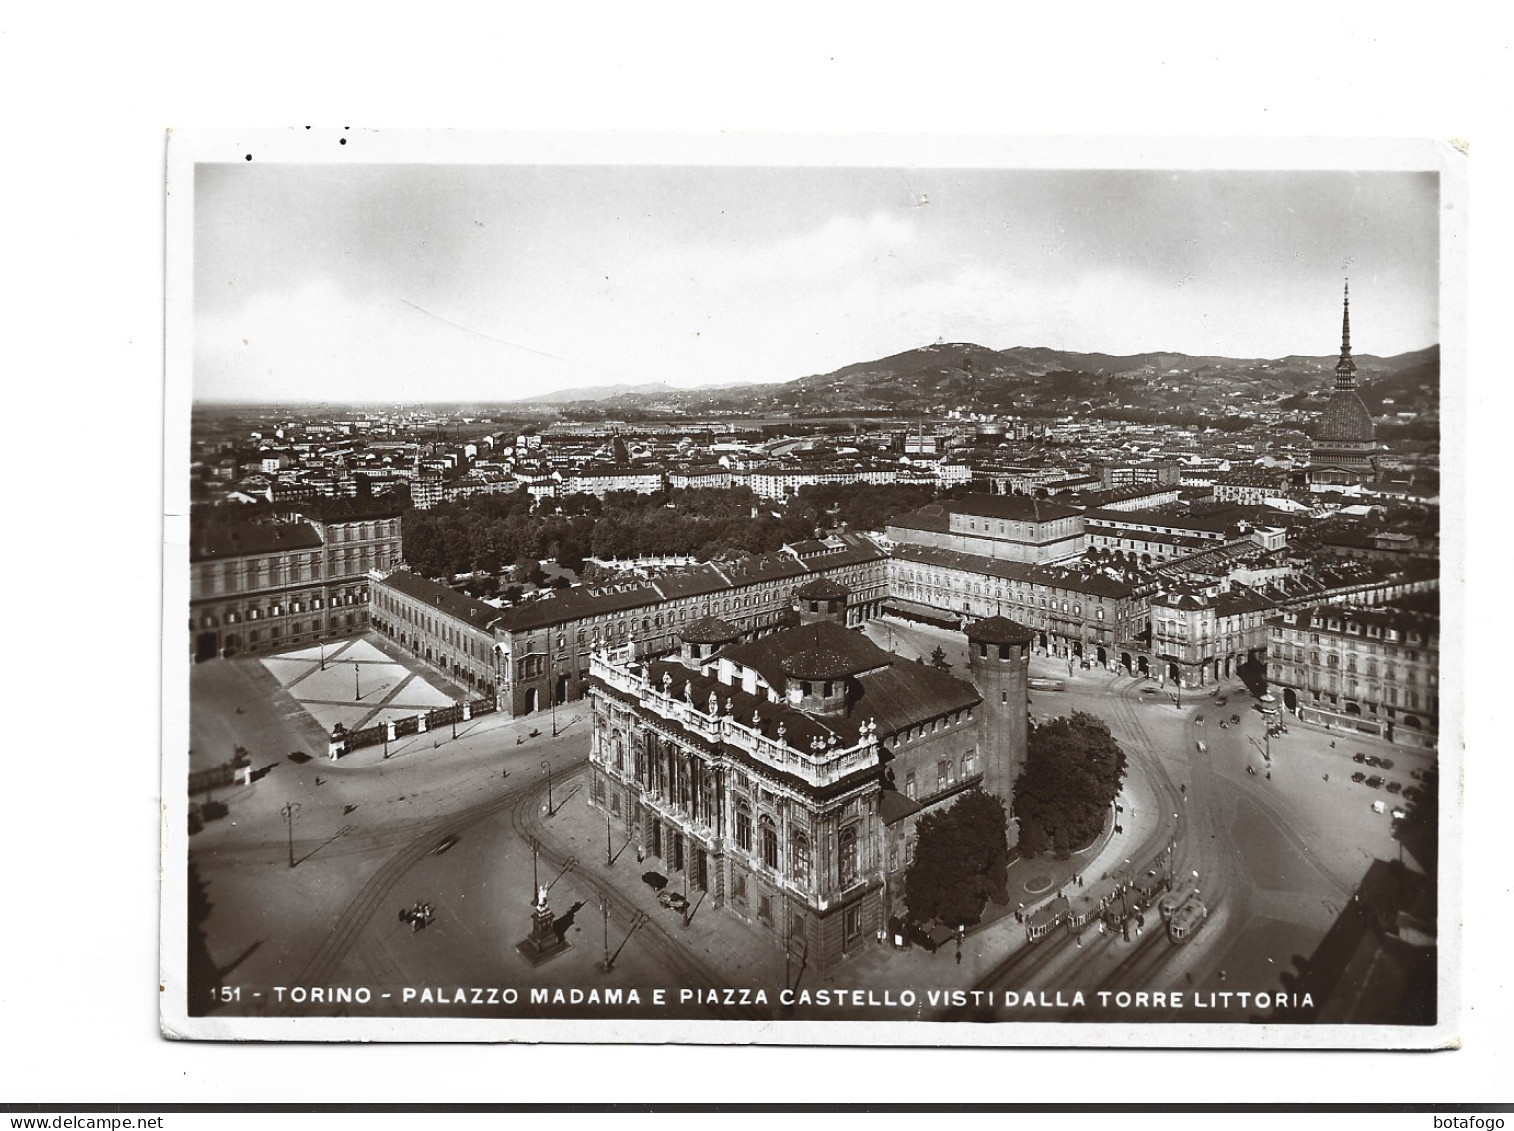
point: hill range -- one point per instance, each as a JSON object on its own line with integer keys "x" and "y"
{"x": 1040, "y": 381}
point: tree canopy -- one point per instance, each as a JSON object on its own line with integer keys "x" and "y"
{"x": 1073, "y": 770}
{"x": 961, "y": 861}
{"x": 1419, "y": 831}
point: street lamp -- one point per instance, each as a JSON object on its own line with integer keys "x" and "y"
{"x": 604, "y": 907}
{"x": 290, "y": 811}
{"x": 547, "y": 767}
{"x": 535, "y": 879}
{"x": 356, "y": 694}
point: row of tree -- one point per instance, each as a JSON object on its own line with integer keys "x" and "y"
{"x": 487, "y": 533}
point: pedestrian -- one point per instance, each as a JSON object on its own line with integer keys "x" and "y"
{"x": 959, "y": 952}
{"x": 640, "y": 853}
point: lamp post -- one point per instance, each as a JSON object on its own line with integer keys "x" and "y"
{"x": 290, "y": 811}
{"x": 547, "y": 768}
{"x": 456, "y": 710}
{"x": 604, "y": 907}
{"x": 609, "y": 844}
{"x": 323, "y": 655}
{"x": 356, "y": 693}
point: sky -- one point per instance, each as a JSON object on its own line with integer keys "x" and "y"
{"x": 410, "y": 283}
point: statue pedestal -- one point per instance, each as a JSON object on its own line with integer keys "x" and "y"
{"x": 543, "y": 943}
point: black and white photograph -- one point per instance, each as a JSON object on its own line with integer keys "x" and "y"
{"x": 811, "y": 590}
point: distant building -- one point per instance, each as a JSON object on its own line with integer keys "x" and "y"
{"x": 1076, "y": 614}
{"x": 448, "y": 630}
{"x": 1159, "y": 472}
{"x": 1012, "y": 527}
{"x": 601, "y": 481}
{"x": 260, "y": 586}
{"x": 1345, "y": 436}
{"x": 1200, "y": 637}
{"x": 1371, "y": 670}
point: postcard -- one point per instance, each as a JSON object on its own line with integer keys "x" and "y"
{"x": 812, "y": 590}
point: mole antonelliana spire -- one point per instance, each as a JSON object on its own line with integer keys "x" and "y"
{"x": 1344, "y": 437}
{"x": 1345, "y": 368}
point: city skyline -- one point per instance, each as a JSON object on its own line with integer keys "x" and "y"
{"x": 488, "y": 283}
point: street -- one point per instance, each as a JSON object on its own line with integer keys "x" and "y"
{"x": 451, "y": 823}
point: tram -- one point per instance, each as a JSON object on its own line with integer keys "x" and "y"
{"x": 1186, "y": 919}
{"x": 1047, "y": 919}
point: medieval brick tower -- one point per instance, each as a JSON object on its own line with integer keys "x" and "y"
{"x": 998, "y": 651}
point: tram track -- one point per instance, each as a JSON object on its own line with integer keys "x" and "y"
{"x": 671, "y": 954}
{"x": 423, "y": 836}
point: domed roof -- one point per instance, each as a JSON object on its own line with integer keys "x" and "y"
{"x": 999, "y": 630}
{"x": 1345, "y": 419}
{"x": 710, "y": 630}
{"x": 819, "y": 663}
{"x": 822, "y": 589}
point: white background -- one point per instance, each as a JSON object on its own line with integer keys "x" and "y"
{"x": 87, "y": 97}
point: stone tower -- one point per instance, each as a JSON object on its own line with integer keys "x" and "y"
{"x": 821, "y": 599}
{"x": 998, "y": 656}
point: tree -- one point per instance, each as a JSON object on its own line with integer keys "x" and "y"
{"x": 961, "y": 861}
{"x": 1419, "y": 831}
{"x": 938, "y": 659}
{"x": 1073, "y": 770}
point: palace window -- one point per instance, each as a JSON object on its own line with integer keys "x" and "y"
{"x": 799, "y": 857}
{"x": 846, "y": 852}
{"x": 853, "y": 923}
{"x": 743, "y": 826}
{"x": 769, "y": 842}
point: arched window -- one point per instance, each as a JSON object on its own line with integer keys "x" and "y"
{"x": 846, "y": 855}
{"x": 799, "y": 857}
{"x": 769, "y": 836}
{"x": 743, "y": 826}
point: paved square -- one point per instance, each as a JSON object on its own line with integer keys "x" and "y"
{"x": 388, "y": 689}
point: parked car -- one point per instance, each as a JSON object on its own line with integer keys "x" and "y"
{"x": 1375, "y": 782}
{"x": 1372, "y": 760}
{"x": 1385, "y": 763}
{"x": 1358, "y": 777}
{"x": 1395, "y": 787}
{"x": 1358, "y": 757}
{"x": 1413, "y": 793}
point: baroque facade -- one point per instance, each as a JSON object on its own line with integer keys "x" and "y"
{"x": 780, "y": 778}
